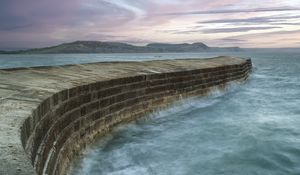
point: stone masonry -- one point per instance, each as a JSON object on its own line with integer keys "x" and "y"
{"x": 49, "y": 114}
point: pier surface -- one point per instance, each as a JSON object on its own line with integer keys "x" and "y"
{"x": 49, "y": 114}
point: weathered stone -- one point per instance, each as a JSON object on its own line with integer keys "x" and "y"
{"x": 54, "y": 112}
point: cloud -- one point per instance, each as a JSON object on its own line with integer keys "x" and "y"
{"x": 253, "y": 20}
{"x": 278, "y": 9}
{"x": 286, "y": 23}
{"x": 236, "y": 29}
{"x": 232, "y": 40}
{"x": 49, "y": 15}
{"x": 277, "y": 32}
{"x": 282, "y": 38}
{"x": 14, "y": 27}
{"x": 37, "y": 23}
{"x": 228, "y": 41}
{"x": 221, "y": 30}
{"x": 32, "y": 23}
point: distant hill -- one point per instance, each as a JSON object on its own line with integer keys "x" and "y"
{"x": 117, "y": 47}
{"x": 195, "y": 47}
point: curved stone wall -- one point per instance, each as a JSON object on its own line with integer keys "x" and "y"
{"x": 61, "y": 125}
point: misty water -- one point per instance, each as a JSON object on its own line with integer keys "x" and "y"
{"x": 251, "y": 128}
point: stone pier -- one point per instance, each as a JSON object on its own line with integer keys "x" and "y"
{"x": 49, "y": 114}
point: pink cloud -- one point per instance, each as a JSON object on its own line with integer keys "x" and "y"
{"x": 32, "y": 23}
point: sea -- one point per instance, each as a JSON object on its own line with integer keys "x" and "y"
{"x": 247, "y": 129}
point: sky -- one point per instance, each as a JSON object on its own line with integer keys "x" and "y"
{"x": 245, "y": 23}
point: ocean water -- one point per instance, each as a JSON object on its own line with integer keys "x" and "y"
{"x": 251, "y": 128}
{"x": 34, "y": 60}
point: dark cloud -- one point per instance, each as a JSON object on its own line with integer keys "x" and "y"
{"x": 220, "y": 30}
{"x": 45, "y": 22}
{"x": 14, "y": 27}
{"x": 50, "y": 15}
{"x": 236, "y": 29}
{"x": 253, "y": 20}
{"x": 286, "y": 23}
{"x": 279, "y": 9}
{"x": 282, "y": 32}
{"x": 232, "y": 40}
{"x": 247, "y": 20}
